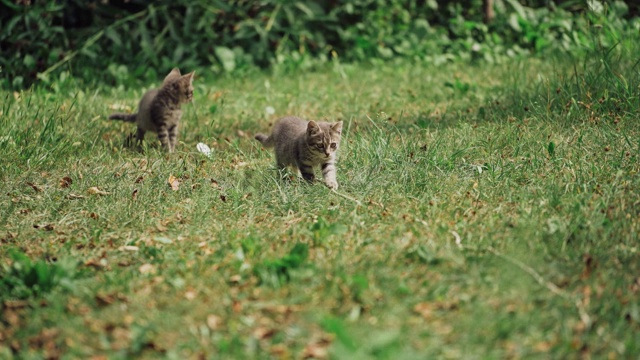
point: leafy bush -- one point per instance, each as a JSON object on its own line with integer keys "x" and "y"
{"x": 278, "y": 271}
{"x": 24, "y": 278}
{"x": 136, "y": 40}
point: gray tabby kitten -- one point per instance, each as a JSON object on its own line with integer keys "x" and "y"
{"x": 159, "y": 110}
{"x": 304, "y": 144}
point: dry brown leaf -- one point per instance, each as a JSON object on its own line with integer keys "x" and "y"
{"x": 74, "y": 197}
{"x": 214, "y": 321}
{"x": 121, "y": 338}
{"x": 8, "y": 236}
{"x": 35, "y": 187}
{"x": 173, "y": 182}
{"x": 424, "y": 309}
{"x": 15, "y": 304}
{"x": 147, "y": 269}
{"x": 280, "y": 351}
{"x": 216, "y": 95}
{"x": 65, "y": 182}
{"x": 543, "y": 346}
{"x": 237, "y": 306}
{"x": 95, "y": 191}
{"x": 94, "y": 263}
{"x": 120, "y": 107}
{"x": 161, "y": 227}
{"x": 190, "y": 294}
{"x": 318, "y": 349}
{"x": 264, "y": 332}
{"x": 134, "y": 195}
{"x": 105, "y": 299}
{"x": 45, "y": 227}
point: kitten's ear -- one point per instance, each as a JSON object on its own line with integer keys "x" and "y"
{"x": 190, "y": 76}
{"x": 337, "y": 127}
{"x": 174, "y": 74}
{"x": 312, "y": 127}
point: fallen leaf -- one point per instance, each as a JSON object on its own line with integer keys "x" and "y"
{"x": 15, "y": 304}
{"x": 134, "y": 195}
{"x": 164, "y": 240}
{"x": 35, "y": 187}
{"x": 280, "y": 351}
{"x": 105, "y": 299}
{"x": 65, "y": 182}
{"x": 95, "y": 191}
{"x": 236, "y": 306}
{"x": 8, "y": 237}
{"x": 147, "y": 269}
{"x": 94, "y": 263}
{"x": 214, "y": 321}
{"x": 46, "y": 227}
{"x": 129, "y": 248}
{"x": 543, "y": 346}
{"x": 173, "y": 182}
{"x": 93, "y": 216}
{"x": 139, "y": 179}
{"x": 318, "y": 349}
{"x": 190, "y": 294}
{"x": 74, "y": 197}
{"x": 120, "y": 107}
{"x": 263, "y": 332}
{"x": 215, "y": 96}
{"x": 424, "y": 309}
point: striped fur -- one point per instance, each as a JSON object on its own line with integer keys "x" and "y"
{"x": 304, "y": 145}
{"x": 159, "y": 110}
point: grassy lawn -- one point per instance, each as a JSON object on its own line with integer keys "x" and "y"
{"x": 484, "y": 211}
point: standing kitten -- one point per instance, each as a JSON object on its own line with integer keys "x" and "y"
{"x": 159, "y": 110}
{"x": 305, "y": 144}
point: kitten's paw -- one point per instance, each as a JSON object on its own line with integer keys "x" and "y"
{"x": 332, "y": 184}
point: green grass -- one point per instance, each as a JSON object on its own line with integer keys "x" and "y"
{"x": 498, "y": 218}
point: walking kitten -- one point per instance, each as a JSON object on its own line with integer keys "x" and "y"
{"x": 159, "y": 110}
{"x": 304, "y": 144}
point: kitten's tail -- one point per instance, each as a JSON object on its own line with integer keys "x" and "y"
{"x": 267, "y": 141}
{"x": 123, "y": 117}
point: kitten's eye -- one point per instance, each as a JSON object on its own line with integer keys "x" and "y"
{"x": 334, "y": 145}
{"x": 320, "y": 146}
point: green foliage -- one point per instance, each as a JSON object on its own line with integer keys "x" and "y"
{"x": 22, "y": 277}
{"x": 136, "y": 41}
{"x": 278, "y": 271}
{"x": 321, "y": 230}
{"x": 31, "y": 40}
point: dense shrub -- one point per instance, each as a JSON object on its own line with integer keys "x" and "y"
{"x": 117, "y": 40}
